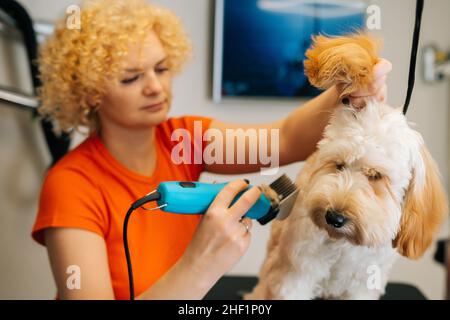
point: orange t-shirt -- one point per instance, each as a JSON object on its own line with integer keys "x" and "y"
{"x": 91, "y": 190}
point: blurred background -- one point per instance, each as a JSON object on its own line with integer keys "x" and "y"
{"x": 24, "y": 157}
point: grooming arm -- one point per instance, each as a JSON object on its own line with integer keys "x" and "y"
{"x": 303, "y": 128}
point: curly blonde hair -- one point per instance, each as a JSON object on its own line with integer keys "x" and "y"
{"x": 75, "y": 64}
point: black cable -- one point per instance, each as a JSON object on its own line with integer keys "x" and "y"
{"x": 137, "y": 204}
{"x": 414, "y": 49}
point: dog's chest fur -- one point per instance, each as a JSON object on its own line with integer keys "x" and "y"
{"x": 341, "y": 269}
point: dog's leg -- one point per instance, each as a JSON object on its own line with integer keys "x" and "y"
{"x": 293, "y": 270}
{"x": 261, "y": 292}
{"x": 279, "y": 281}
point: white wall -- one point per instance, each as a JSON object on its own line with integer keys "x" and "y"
{"x": 24, "y": 270}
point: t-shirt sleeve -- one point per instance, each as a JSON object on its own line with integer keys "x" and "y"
{"x": 69, "y": 198}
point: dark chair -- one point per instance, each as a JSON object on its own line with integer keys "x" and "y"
{"x": 14, "y": 17}
{"x": 442, "y": 256}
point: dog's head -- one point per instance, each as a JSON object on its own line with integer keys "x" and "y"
{"x": 373, "y": 182}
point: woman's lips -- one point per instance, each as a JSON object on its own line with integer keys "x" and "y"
{"x": 154, "y": 107}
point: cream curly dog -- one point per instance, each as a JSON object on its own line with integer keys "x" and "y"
{"x": 369, "y": 192}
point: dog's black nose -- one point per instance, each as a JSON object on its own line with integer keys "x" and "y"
{"x": 335, "y": 218}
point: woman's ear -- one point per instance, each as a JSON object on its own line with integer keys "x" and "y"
{"x": 425, "y": 208}
{"x": 93, "y": 101}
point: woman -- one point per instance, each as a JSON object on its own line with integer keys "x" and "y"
{"x": 114, "y": 76}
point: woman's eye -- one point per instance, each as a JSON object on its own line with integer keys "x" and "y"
{"x": 130, "y": 80}
{"x": 162, "y": 70}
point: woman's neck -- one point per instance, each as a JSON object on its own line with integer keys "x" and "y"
{"x": 135, "y": 149}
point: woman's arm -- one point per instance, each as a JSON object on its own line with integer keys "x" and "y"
{"x": 303, "y": 129}
{"x": 87, "y": 250}
{"x": 218, "y": 243}
{"x": 300, "y": 132}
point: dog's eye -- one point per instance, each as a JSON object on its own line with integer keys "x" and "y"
{"x": 375, "y": 176}
{"x": 340, "y": 166}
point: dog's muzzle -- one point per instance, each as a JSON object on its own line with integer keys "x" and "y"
{"x": 335, "y": 218}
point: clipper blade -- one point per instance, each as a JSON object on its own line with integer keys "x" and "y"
{"x": 282, "y": 192}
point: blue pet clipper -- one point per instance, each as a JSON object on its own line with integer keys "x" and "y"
{"x": 187, "y": 197}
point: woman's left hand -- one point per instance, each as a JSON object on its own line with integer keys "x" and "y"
{"x": 378, "y": 88}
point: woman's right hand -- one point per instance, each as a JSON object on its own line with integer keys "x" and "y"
{"x": 219, "y": 241}
{"x": 222, "y": 237}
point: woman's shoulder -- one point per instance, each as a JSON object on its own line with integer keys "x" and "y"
{"x": 71, "y": 195}
{"x": 78, "y": 163}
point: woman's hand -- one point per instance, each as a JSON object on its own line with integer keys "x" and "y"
{"x": 378, "y": 88}
{"x": 222, "y": 237}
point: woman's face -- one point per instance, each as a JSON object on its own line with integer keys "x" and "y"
{"x": 140, "y": 97}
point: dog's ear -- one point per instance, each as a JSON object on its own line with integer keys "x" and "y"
{"x": 425, "y": 208}
{"x": 342, "y": 60}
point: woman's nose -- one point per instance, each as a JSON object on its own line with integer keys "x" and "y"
{"x": 152, "y": 86}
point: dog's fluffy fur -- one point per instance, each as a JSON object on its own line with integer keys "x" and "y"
{"x": 373, "y": 169}
{"x": 342, "y": 60}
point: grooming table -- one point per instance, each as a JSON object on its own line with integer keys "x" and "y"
{"x": 233, "y": 288}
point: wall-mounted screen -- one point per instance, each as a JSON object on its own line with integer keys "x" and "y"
{"x": 260, "y": 44}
